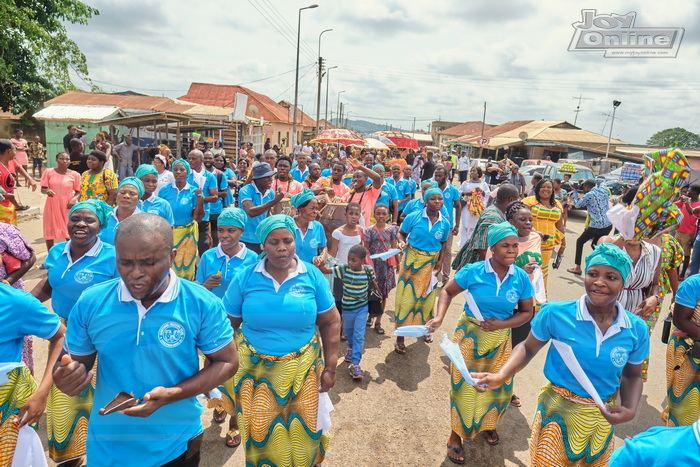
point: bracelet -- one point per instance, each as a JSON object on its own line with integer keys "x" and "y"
{"x": 6, "y": 282}
{"x": 329, "y": 371}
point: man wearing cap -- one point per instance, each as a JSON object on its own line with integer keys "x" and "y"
{"x": 256, "y": 199}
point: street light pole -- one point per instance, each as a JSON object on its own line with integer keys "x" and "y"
{"x": 296, "y": 77}
{"x": 616, "y": 104}
{"x": 320, "y": 78}
{"x": 328, "y": 78}
{"x": 337, "y": 121}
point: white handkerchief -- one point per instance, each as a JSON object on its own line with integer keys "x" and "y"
{"x": 453, "y": 352}
{"x": 325, "y": 407}
{"x": 28, "y": 451}
{"x": 387, "y": 254}
{"x": 413, "y": 330}
{"x": 473, "y": 307}
{"x": 567, "y": 354}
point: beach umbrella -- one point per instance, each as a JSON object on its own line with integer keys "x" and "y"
{"x": 373, "y": 143}
{"x": 339, "y": 136}
{"x": 401, "y": 140}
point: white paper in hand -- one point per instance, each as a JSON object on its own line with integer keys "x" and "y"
{"x": 453, "y": 352}
{"x": 473, "y": 307}
{"x": 325, "y": 407}
{"x": 567, "y": 354}
{"x": 538, "y": 285}
{"x": 413, "y": 330}
{"x": 28, "y": 451}
{"x": 387, "y": 254}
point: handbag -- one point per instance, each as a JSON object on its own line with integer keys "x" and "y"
{"x": 10, "y": 262}
{"x": 391, "y": 262}
{"x": 374, "y": 298}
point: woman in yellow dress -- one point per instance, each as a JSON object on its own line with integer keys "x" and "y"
{"x": 547, "y": 217}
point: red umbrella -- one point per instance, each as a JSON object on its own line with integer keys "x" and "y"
{"x": 339, "y": 136}
{"x": 401, "y": 140}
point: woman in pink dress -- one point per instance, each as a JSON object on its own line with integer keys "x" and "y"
{"x": 21, "y": 145}
{"x": 62, "y": 188}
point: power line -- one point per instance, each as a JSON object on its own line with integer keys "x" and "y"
{"x": 284, "y": 21}
{"x": 284, "y": 32}
{"x": 290, "y": 87}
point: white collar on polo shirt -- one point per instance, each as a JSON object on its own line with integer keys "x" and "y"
{"x": 425, "y": 214}
{"x": 94, "y": 251}
{"x": 300, "y": 269}
{"x": 622, "y": 321}
{"x": 241, "y": 253}
{"x": 499, "y": 282}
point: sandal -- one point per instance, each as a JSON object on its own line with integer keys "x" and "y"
{"x": 574, "y": 271}
{"x": 219, "y": 416}
{"x": 369, "y": 322}
{"x": 428, "y": 339}
{"x": 400, "y": 349}
{"x": 379, "y": 329}
{"x": 22, "y": 208}
{"x": 233, "y": 438}
{"x": 492, "y": 437}
{"x": 458, "y": 454}
{"x": 515, "y": 401}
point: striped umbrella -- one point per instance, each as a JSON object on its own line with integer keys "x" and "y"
{"x": 401, "y": 140}
{"x": 339, "y": 136}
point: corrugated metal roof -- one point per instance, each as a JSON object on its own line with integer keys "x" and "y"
{"x": 465, "y": 129}
{"x": 422, "y": 137}
{"x": 87, "y": 113}
{"x": 158, "y": 104}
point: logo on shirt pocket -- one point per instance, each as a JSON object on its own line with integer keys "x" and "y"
{"x": 512, "y": 296}
{"x": 296, "y": 291}
{"x": 313, "y": 243}
{"x": 84, "y": 277}
{"x": 438, "y": 234}
{"x": 619, "y": 356}
{"x": 171, "y": 334}
{"x": 185, "y": 201}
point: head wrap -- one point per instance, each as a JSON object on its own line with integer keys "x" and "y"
{"x": 432, "y": 183}
{"x": 378, "y": 166}
{"x": 302, "y": 197}
{"x": 183, "y": 162}
{"x": 498, "y": 232}
{"x": 134, "y": 182}
{"x": 145, "y": 169}
{"x": 101, "y": 209}
{"x": 430, "y": 192}
{"x": 161, "y": 158}
{"x": 233, "y": 217}
{"x": 607, "y": 254}
{"x": 278, "y": 221}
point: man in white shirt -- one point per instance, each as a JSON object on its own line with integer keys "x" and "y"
{"x": 463, "y": 166}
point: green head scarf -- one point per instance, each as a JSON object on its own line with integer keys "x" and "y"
{"x": 183, "y": 162}
{"x": 278, "y": 221}
{"x": 428, "y": 183}
{"x": 607, "y": 254}
{"x": 302, "y": 197}
{"x": 233, "y": 217}
{"x": 498, "y": 232}
{"x": 101, "y": 209}
{"x": 378, "y": 166}
{"x": 430, "y": 192}
{"x": 145, "y": 169}
{"x": 133, "y": 181}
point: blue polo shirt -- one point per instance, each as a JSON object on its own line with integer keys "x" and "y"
{"x": 252, "y": 193}
{"x": 688, "y": 293}
{"x": 182, "y": 202}
{"x": 298, "y": 175}
{"x": 217, "y": 206}
{"x": 494, "y": 298}
{"x": 69, "y": 279}
{"x": 417, "y": 205}
{"x": 422, "y": 235}
{"x": 110, "y": 230}
{"x": 326, "y": 172}
{"x": 228, "y": 200}
{"x": 157, "y": 205}
{"x": 22, "y": 315}
{"x": 661, "y": 446}
{"x": 602, "y": 357}
{"x": 387, "y": 195}
{"x": 309, "y": 243}
{"x": 278, "y": 318}
{"x": 449, "y": 195}
{"x": 140, "y": 349}
{"x": 215, "y": 260}
{"x": 402, "y": 187}
{"x": 205, "y": 181}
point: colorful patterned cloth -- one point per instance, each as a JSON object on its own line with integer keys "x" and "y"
{"x": 473, "y": 412}
{"x": 13, "y": 395}
{"x": 569, "y": 430}
{"x": 544, "y": 220}
{"x": 96, "y": 186}
{"x": 478, "y": 241}
{"x": 277, "y": 405}
{"x": 682, "y": 383}
{"x": 415, "y": 293}
{"x": 380, "y": 242}
{"x": 185, "y": 240}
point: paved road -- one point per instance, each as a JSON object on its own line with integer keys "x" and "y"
{"x": 399, "y": 414}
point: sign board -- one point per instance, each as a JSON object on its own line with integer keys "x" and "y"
{"x": 484, "y": 141}
{"x": 578, "y": 155}
{"x": 240, "y": 104}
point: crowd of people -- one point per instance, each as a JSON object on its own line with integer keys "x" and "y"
{"x": 234, "y": 278}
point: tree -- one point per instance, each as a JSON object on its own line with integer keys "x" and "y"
{"x": 675, "y": 137}
{"x": 36, "y": 54}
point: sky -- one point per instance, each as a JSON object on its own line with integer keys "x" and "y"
{"x": 403, "y": 59}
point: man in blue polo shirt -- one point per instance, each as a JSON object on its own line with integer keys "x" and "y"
{"x": 206, "y": 181}
{"x": 256, "y": 199}
{"x": 146, "y": 328}
{"x": 404, "y": 189}
{"x": 450, "y": 194}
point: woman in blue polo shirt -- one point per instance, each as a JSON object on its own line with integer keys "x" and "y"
{"x": 424, "y": 232}
{"x": 150, "y": 202}
{"x": 497, "y": 287}
{"x": 609, "y": 344}
{"x": 129, "y": 195}
{"x": 310, "y": 237}
{"x": 276, "y": 306}
{"x": 84, "y": 260}
{"x": 187, "y": 203}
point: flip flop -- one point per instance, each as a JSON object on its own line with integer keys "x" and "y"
{"x": 458, "y": 451}
{"x": 491, "y": 437}
{"x": 219, "y": 416}
{"x": 233, "y": 438}
{"x": 379, "y": 329}
{"x": 428, "y": 338}
{"x": 400, "y": 349}
{"x": 573, "y": 271}
{"x": 515, "y": 401}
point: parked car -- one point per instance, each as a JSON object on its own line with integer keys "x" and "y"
{"x": 614, "y": 175}
{"x": 529, "y": 170}
{"x": 582, "y": 173}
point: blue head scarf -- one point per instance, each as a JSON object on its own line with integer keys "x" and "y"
{"x": 498, "y": 232}
{"x": 431, "y": 192}
{"x": 607, "y": 254}
{"x": 133, "y": 181}
{"x": 302, "y": 197}
{"x": 145, "y": 169}
{"x": 233, "y": 217}
{"x": 278, "y": 221}
{"x": 101, "y": 209}
{"x": 183, "y": 162}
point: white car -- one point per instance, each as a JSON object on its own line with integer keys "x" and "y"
{"x": 529, "y": 170}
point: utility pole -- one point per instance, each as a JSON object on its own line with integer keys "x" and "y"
{"x": 340, "y": 116}
{"x": 328, "y": 77}
{"x": 578, "y": 106}
{"x": 413, "y": 130}
{"x": 318, "y": 94}
{"x": 483, "y": 123}
{"x": 616, "y": 104}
